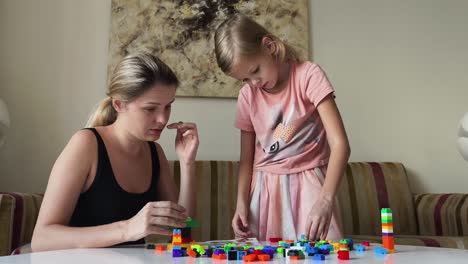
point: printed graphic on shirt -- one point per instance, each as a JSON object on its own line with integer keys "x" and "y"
{"x": 288, "y": 135}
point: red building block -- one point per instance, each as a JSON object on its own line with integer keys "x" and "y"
{"x": 343, "y": 255}
{"x": 275, "y": 239}
{"x": 258, "y": 252}
{"x": 186, "y": 240}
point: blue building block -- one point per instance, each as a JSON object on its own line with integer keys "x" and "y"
{"x": 350, "y": 243}
{"x": 209, "y": 252}
{"x": 177, "y": 253}
{"x": 218, "y": 251}
{"x": 324, "y": 249}
{"x": 380, "y": 251}
{"x": 312, "y": 251}
{"x": 285, "y": 245}
{"x": 319, "y": 257}
{"x": 240, "y": 254}
{"x": 360, "y": 248}
{"x": 269, "y": 250}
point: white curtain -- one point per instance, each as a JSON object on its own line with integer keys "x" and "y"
{"x": 4, "y": 121}
{"x": 462, "y": 141}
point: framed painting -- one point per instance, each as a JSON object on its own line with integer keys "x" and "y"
{"x": 181, "y": 34}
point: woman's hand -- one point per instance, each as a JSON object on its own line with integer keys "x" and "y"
{"x": 319, "y": 218}
{"x": 186, "y": 141}
{"x": 155, "y": 218}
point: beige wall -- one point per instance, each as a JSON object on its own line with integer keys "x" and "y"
{"x": 397, "y": 70}
{"x": 52, "y": 73}
{"x": 400, "y": 68}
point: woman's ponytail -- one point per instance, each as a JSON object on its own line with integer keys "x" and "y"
{"x": 104, "y": 115}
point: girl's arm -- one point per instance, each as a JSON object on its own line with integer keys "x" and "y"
{"x": 245, "y": 167}
{"x": 319, "y": 218}
{"x": 339, "y": 146}
{"x": 67, "y": 179}
{"x": 240, "y": 222}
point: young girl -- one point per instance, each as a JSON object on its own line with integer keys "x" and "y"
{"x": 294, "y": 147}
{"x": 112, "y": 184}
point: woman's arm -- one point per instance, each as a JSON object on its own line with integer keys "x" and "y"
{"x": 168, "y": 189}
{"x": 186, "y": 145}
{"x": 66, "y": 181}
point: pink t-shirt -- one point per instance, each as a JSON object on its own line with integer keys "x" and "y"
{"x": 290, "y": 134}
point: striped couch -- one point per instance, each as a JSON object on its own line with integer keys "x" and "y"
{"x": 439, "y": 220}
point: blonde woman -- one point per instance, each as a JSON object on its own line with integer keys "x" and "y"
{"x": 111, "y": 184}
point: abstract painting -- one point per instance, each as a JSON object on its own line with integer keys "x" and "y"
{"x": 181, "y": 34}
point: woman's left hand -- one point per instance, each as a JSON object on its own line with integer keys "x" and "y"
{"x": 186, "y": 141}
{"x": 319, "y": 218}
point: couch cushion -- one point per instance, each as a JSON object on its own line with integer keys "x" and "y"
{"x": 216, "y": 198}
{"x": 428, "y": 241}
{"x": 24, "y": 249}
{"x": 369, "y": 186}
{"x": 442, "y": 214}
{"x": 18, "y": 214}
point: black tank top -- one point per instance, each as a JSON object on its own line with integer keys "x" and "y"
{"x": 105, "y": 201}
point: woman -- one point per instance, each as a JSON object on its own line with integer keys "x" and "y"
{"x": 112, "y": 184}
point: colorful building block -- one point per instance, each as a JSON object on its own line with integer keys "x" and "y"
{"x": 387, "y": 230}
{"x": 264, "y": 257}
{"x": 232, "y": 255}
{"x": 275, "y": 239}
{"x": 343, "y": 255}
{"x": 380, "y": 251}
{"x": 241, "y": 254}
{"x": 360, "y": 248}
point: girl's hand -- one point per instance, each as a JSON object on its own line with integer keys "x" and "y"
{"x": 319, "y": 218}
{"x": 186, "y": 141}
{"x": 240, "y": 223}
{"x": 155, "y": 218}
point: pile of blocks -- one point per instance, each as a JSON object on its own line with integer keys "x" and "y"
{"x": 387, "y": 230}
{"x": 180, "y": 238}
{"x": 293, "y": 250}
{"x": 182, "y": 245}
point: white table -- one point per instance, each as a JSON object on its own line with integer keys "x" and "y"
{"x": 404, "y": 254}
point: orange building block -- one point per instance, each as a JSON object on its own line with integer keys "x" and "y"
{"x": 249, "y": 258}
{"x": 191, "y": 253}
{"x": 388, "y": 242}
{"x": 264, "y": 257}
{"x": 160, "y": 248}
{"x": 219, "y": 257}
